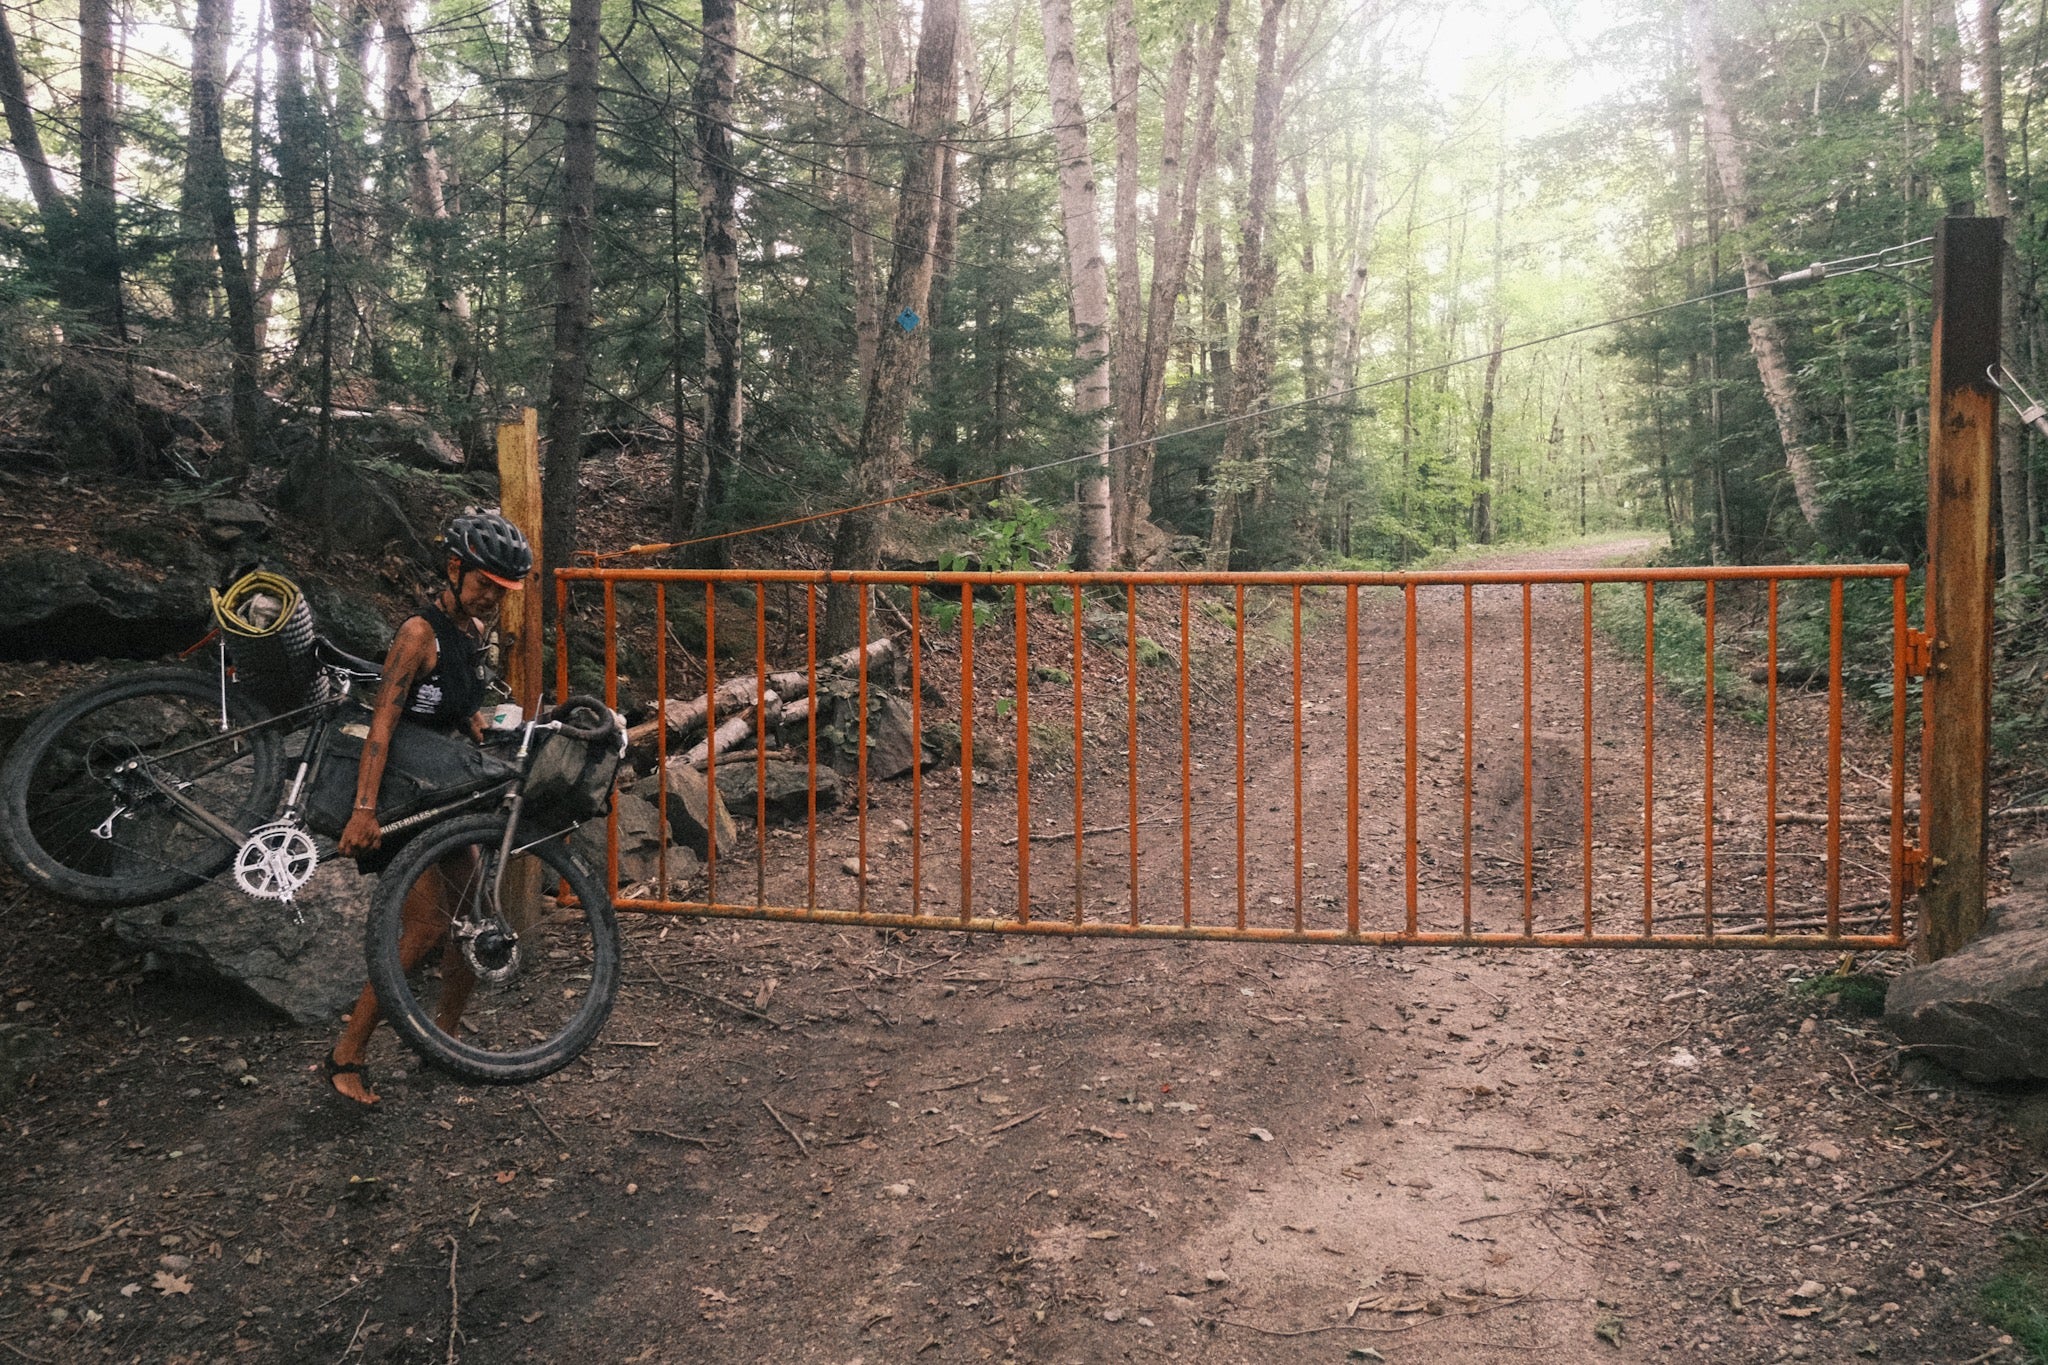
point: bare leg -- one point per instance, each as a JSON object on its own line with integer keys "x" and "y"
{"x": 458, "y": 872}
{"x": 424, "y": 921}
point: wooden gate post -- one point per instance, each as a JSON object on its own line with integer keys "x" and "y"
{"x": 1961, "y": 459}
{"x": 519, "y": 622}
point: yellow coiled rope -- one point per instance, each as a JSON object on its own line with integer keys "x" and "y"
{"x": 229, "y": 607}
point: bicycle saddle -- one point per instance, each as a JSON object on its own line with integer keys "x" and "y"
{"x": 334, "y": 656}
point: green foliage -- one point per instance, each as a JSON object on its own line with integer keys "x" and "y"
{"x": 1858, "y": 992}
{"x": 1680, "y": 642}
{"x": 2016, "y": 1299}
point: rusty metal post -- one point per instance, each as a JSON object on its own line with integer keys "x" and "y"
{"x": 1962, "y": 442}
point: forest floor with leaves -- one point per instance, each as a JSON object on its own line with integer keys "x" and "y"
{"x": 797, "y": 1143}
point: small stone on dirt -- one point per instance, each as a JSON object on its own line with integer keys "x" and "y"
{"x": 1673, "y": 1268}
{"x": 1826, "y": 1151}
{"x": 1216, "y": 1278}
{"x": 899, "y": 1190}
{"x": 1810, "y": 1289}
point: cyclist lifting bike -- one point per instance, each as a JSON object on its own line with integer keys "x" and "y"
{"x": 158, "y": 780}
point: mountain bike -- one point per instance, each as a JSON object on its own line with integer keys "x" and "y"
{"x": 155, "y": 782}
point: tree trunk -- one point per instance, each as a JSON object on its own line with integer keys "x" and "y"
{"x": 97, "y": 249}
{"x": 867, "y": 298}
{"x": 25, "y": 136}
{"x": 299, "y": 131}
{"x": 2012, "y": 482}
{"x": 573, "y": 283}
{"x": 216, "y": 208}
{"x": 717, "y": 200}
{"x": 1088, "y": 280}
{"x": 408, "y": 114}
{"x": 1126, "y": 358}
{"x": 1183, "y": 165}
{"x": 882, "y": 456}
{"x": 1235, "y": 475}
{"x": 1344, "y": 347}
{"x": 1765, "y": 342}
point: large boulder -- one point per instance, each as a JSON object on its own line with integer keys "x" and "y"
{"x": 692, "y": 814}
{"x": 303, "y": 959}
{"x": 1982, "y": 1012}
{"x": 641, "y": 832}
{"x": 788, "y": 786}
{"x": 893, "y": 747}
{"x": 65, "y": 605}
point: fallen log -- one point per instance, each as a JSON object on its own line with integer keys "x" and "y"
{"x": 797, "y": 681}
{"x": 1820, "y": 817}
{"x": 740, "y": 727}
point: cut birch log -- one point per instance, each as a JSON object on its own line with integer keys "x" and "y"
{"x": 739, "y": 727}
{"x": 797, "y": 681}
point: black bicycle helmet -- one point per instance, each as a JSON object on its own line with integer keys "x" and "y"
{"x": 491, "y": 545}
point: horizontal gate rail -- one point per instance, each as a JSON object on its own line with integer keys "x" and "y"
{"x": 1040, "y": 753}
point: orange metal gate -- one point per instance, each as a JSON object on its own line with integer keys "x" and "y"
{"x": 1449, "y": 757}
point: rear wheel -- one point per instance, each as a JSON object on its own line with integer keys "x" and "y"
{"x": 473, "y": 993}
{"x": 69, "y": 826}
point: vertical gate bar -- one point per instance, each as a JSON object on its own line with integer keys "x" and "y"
{"x": 1297, "y": 760}
{"x": 860, "y": 781}
{"x": 661, "y": 734}
{"x": 1834, "y": 756}
{"x": 1586, "y": 757}
{"x": 1023, "y": 761}
{"x": 1771, "y": 760}
{"x": 711, "y": 741}
{"x": 611, "y": 699}
{"x": 1187, "y": 774}
{"x": 1408, "y": 705}
{"x": 1528, "y": 761}
{"x": 966, "y": 752}
{"x": 1649, "y": 755}
{"x": 1707, "y": 861}
{"x": 760, "y": 741}
{"x": 811, "y": 747}
{"x": 1238, "y": 597}
{"x": 1898, "y": 889}
{"x": 1467, "y": 877}
{"x": 1080, "y": 741}
{"x": 1351, "y": 757}
{"x": 916, "y": 750}
{"x": 1131, "y": 732}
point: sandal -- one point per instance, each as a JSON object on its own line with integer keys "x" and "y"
{"x": 330, "y": 1068}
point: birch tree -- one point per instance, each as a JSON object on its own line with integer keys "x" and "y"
{"x": 1088, "y": 279}
{"x": 1766, "y": 343}
{"x": 882, "y": 457}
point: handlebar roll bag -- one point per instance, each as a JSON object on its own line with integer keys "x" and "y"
{"x": 571, "y": 773}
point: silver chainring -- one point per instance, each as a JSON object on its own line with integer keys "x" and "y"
{"x": 275, "y": 861}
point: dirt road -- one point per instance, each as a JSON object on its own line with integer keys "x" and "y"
{"x": 801, "y": 1144}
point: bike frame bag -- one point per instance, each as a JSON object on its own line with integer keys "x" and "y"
{"x": 426, "y": 767}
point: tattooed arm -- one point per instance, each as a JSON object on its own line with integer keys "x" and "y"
{"x": 412, "y": 657}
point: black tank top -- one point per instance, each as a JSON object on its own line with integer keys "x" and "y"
{"x": 447, "y": 697}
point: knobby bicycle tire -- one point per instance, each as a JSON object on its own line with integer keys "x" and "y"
{"x": 555, "y": 1000}
{"x": 54, "y": 793}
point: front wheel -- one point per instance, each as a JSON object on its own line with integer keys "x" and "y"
{"x": 471, "y": 990}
